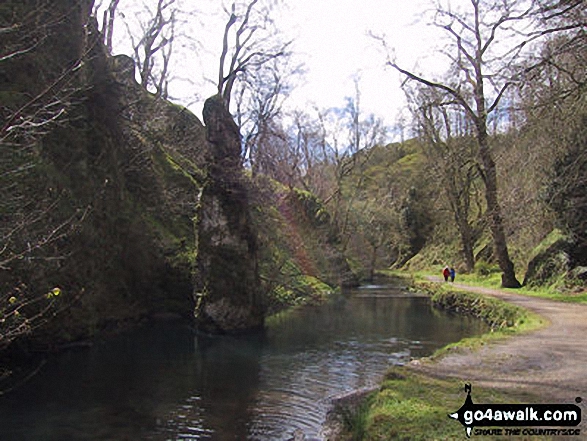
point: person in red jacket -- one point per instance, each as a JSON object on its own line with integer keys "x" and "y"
{"x": 446, "y": 273}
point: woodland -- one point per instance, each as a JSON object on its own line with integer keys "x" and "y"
{"x": 118, "y": 204}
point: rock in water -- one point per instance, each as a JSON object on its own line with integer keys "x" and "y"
{"x": 228, "y": 298}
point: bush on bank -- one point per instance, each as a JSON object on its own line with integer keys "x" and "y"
{"x": 496, "y": 313}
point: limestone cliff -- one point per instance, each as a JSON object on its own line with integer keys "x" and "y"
{"x": 229, "y": 296}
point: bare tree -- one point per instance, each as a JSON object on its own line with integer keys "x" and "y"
{"x": 108, "y": 24}
{"x": 554, "y": 111}
{"x": 26, "y": 117}
{"x": 308, "y": 145}
{"x": 364, "y": 134}
{"x": 450, "y": 151}
{"x": 484, "y": 68}
{"x": 31, "y": 225}
{"x": 260, "y": 96}
{"x": 250, "y": 41}
{"x": 153, "y": 46}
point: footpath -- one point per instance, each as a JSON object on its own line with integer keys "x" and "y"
{"x": 550, "y": 363}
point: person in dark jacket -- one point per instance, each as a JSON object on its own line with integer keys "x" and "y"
{"x": 446, "y": 273}
{"x": 453, "y": 273}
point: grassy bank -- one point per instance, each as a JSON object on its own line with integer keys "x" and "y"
{"x": 413, "y": 406}
{"x": 577, "y": 295}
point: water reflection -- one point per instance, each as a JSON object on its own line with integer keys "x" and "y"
{"x": 166, "y": 383}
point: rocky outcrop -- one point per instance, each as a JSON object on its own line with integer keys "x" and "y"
{"x": 133, "y": 207}
{"x": 551, "y": 260}
{"x": 228, "y": 298}
{"x": 111, "y": 186}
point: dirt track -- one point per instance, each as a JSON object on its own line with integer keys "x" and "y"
{"x": 550, "y": 363}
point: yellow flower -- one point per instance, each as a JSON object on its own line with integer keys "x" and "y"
{"x": 16, "y": 313}
{"x": 53, "y": 293}
{"x": 12, "y": 300}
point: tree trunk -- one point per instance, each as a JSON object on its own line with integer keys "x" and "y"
{"x": 508, "y": 277}
{"x": 467, "y": 243}
{"x": 373, "y": 263}
{"x": 108, "y": 24}
{"x": 460, "y": 209}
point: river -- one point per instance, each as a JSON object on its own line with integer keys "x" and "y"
{"x": 165, "y": 382}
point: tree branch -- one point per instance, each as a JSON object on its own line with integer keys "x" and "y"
{"x": 458, "y": 97}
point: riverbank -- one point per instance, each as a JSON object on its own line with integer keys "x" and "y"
{"x": 549, "y": 362}
{"x": 544, "y": 365}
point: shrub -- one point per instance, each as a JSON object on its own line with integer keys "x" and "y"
{"x": 485, "y": 269}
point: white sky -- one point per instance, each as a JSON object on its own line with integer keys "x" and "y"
{"x": 331, "y": 41}
{"x": 333, "y": 37}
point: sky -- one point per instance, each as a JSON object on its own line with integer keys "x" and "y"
{"x": 334, "y": 36}
{"x": 330, "y": 39}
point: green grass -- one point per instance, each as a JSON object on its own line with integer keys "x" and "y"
{"x": 412, "y": 406}
{"x": 498, "y": 314}
{"x": 546, "y": 292}
{"x": 553, "y": 237}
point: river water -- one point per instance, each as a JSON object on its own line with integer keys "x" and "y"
{"x": 164, "y": 382}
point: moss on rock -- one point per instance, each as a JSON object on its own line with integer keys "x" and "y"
{"x": 550, "y": 260}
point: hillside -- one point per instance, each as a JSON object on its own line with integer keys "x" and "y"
{"x": 417, "y": 208}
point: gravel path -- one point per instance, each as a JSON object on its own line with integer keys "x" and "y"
{"x": 549, "y": 363}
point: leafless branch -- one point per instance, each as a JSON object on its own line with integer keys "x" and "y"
{"x": 255, "y": 43}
